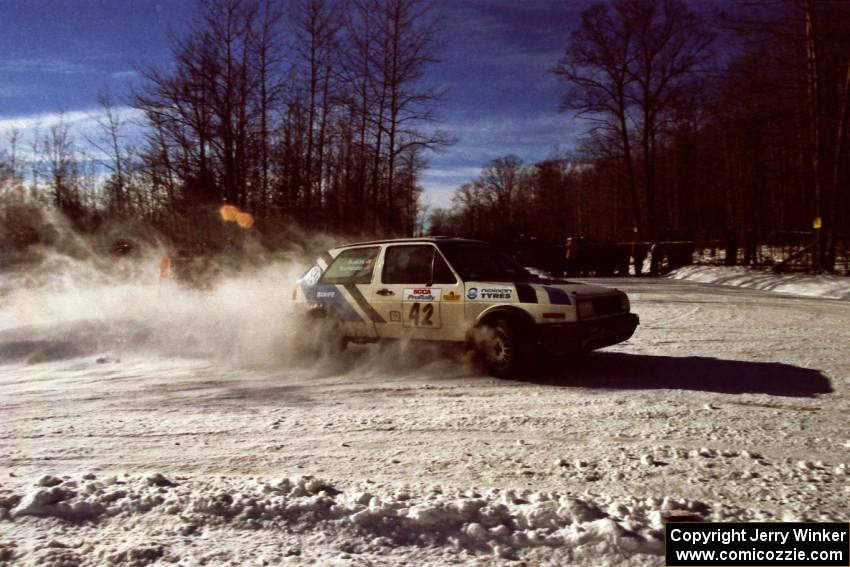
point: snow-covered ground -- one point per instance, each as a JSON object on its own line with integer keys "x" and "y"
{"x": 146, "y": 423}
{"x": 828, "y": 286}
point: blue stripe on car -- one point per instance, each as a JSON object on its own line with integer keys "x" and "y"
{"x": 325, "y": 294}
{"x": 557, "y": 296}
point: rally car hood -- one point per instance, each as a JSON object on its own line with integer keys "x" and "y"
{"x": 533, "y": 290}
{"x": 580, "y": 288}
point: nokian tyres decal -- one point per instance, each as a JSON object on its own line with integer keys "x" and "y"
{"x": 523, "y": 292}
{"x": 490, "y": 293}
{"x": 495, "y": 293}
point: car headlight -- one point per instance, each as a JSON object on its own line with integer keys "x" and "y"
{"x": 625, "y": 306}
{"x": 585, "y": 309}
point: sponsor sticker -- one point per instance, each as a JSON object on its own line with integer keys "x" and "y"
{"x": 451, "y": 296}
{"x": 395, "y": 316}
{"x": 313, "y": 275}
{"x": 422, "y": 294}
{"x": 325, "y": 294}
{"x": 490, "y": 293}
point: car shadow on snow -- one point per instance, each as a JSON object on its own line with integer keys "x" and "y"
{"x": 620, "y": 371}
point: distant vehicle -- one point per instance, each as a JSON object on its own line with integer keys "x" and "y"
{"x": 461, "y": 291}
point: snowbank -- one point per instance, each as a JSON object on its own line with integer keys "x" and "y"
{"x": 431, "y": 523}
{"x": 826, "y": 286}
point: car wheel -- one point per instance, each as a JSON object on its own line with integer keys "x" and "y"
{"x": 500, "y": 348}
{"x": 319, "y": 336}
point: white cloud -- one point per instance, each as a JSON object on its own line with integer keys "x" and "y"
{"x": 440, "y": 183}
{"x": 438, "y": 195}
{"x": 81, "y": 123}
{"x": 80, "y": 120}
{"x": 45, "y": 65}
{"x": 128, "y": 74}
{"x": 453, "y": 172}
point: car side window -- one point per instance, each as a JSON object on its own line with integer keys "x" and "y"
{"x": 354, "y": 266}
{"x": 442, "y": 273}
{"x": 410, "y": 264}
{"x": 415, "y": 264}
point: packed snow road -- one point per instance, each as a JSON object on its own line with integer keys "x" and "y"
{"x": 129, "y": 440}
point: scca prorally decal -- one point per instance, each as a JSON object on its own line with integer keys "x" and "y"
{"x": 422, "y": 294}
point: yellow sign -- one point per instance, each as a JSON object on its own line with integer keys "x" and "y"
{"x": 817, "y": 223}
{"x": 451, "y": 296}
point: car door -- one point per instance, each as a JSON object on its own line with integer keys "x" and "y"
{"x": 345, "y": 287}
{"x": 417, "y": 295}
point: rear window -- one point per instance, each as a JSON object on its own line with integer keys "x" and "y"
{"x": 354, "y": 266}
{"x": 415, "y": 264}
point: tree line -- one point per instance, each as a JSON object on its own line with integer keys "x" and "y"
{"x": 700, "y": 124}
{"x": 303, "y": 112}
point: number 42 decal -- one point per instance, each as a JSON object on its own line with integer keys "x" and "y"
{"x": 421, "y": 317}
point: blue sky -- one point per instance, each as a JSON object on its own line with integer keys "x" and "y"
{"x": 495, "y": 60}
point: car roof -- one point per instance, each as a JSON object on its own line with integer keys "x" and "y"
{"x": 423, "y": 239}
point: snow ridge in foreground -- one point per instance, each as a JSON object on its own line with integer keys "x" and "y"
{"x": 141, "y": 520}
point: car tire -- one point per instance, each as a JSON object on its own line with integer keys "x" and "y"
{"x": 501, "y": 348}
{"x": 320, "y": 336}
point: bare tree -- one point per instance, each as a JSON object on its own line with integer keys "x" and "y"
{"x": 111, "y": 151}
{"x": 406, "y": 32}
{"x": 61, "y": 169}
{"x": 628, "y": 66}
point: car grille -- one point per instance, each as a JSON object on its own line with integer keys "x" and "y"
{"x": 607, "y": 305}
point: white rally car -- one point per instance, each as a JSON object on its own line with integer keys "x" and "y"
{"x": 459, "y": 290}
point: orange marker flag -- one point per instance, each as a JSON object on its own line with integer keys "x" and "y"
{"x": 228, "y": 213}
{"x": 164, "y": 267}
{"x": 245, "y": 220}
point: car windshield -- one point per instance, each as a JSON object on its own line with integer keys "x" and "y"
{"x": 353, "y": 266}
{"x": 482, "y": 262}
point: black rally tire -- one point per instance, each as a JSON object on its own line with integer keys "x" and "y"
{"x": 319, "y": 336}
{"x": 501, "y": 348}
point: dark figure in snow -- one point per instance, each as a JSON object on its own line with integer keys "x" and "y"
{"x": 571, "y": 252}
{"x": 622, "y": 259}
{"x": 731, "y": 247}
{"x": 750, "y": 248}
{"x": 656, "y": 253}
{"x": 639, "y": 255}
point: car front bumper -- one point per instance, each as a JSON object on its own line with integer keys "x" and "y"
{"x": 585, "y": 336}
